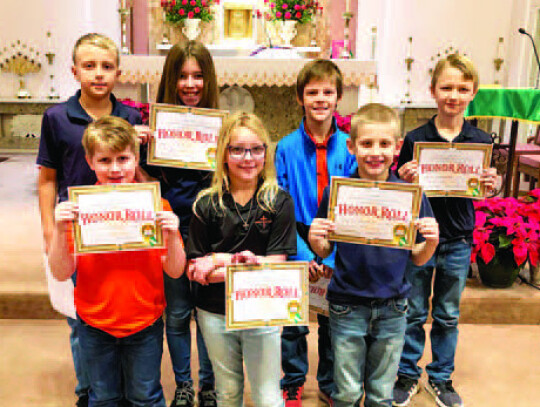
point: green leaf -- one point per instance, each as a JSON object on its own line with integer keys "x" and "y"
{"x": 504, "y": 241}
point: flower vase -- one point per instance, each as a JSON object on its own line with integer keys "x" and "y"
{"x": 501, "y": 272}
{"x": 192, "y": 28}
{"x": 287, "y": 32}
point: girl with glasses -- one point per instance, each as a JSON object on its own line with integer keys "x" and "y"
{"x": 243, "y": 217}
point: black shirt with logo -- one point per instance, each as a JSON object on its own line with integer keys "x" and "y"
{"x": 214, "y": 230}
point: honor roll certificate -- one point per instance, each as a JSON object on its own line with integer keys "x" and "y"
{"x": 184, "y": 137}
{"x": 117, "y": 217}
{"x": 374, "y": 213}
{"x": 317, "y": 296}
{"x": 272, "y": 294}
{"x": 452, "y": 169}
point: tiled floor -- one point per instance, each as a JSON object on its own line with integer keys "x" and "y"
{"x": 496, "y": 365}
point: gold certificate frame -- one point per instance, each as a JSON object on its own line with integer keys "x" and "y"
{"x": 184, "y": 137}
{"x": 374, "y": 213}
{"x": 117, "y": 217}
{"x": 270, "y": 294}
{"x": 452, "y": 169}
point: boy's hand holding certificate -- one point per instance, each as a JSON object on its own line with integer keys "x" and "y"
{"x": 452, "y": 169}
{"x": 375, "y": 213}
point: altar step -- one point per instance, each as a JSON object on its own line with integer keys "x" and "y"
{"x": 519, "y": 305}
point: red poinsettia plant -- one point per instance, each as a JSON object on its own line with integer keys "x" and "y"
{"x": 178, "y": 10}
{"x": 508, "y": 227}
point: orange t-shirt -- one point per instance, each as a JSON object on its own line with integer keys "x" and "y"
{"x": 120, "y": 293}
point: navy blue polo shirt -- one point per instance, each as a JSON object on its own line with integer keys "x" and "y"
{"x": 60, "y": 147}
{"x": 366, "y": 272}
{"x": 454, "y": 215}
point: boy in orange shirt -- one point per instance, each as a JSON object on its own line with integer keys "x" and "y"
{"x": 119, "y": 296}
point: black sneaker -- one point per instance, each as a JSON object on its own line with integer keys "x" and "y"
{"x": 184, "y": 396}
{"x": 82, "y": 401}
{"x": 404, "y": 390}
{"x": 207, "y": 398}
{"x": 444, "y": 393}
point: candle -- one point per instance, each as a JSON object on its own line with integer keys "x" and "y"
{"x": 500, "y": 48}
{"x": 409, "y": 50}
{"x": 123, "y": 4}
{"x": 49, "y": 41}
{"x": 347, "y": 6}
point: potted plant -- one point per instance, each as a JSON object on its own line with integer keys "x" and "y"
{"x": 506, "y": 236}
{"x": 287, "y": 13}
{"x": 188, "y": 12}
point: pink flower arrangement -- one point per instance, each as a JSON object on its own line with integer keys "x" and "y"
{"x": 293, "y": 10}
{"x": 176, "y": 11}
{"x": 508, "y": 226}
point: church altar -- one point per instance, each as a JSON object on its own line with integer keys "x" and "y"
{"x": 247, "y": 71}
{"x": 267, "y": 85}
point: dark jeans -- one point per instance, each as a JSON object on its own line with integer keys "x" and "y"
{"x": 294, "y": 356}
{"x": 451, "y": 265}
{"x": 177, "y": 323}
{"x": 124, "y": 368}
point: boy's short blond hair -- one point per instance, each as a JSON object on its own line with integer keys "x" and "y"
{"x": 375, "y": 113}
{"x": 97, "y": 40}
{"x": 461, "y": 62}
{"x": 319, "y": 69}
{"x": 112, "y": 133}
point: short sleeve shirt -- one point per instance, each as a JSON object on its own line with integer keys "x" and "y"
{"x": 213, "y": 230}
{"x": 369, "y": 272}
{"x": 60, "y": 146}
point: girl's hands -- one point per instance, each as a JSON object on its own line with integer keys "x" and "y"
{"x": 199, "y": 269}
{"x": 143, "y": 133}
{"x": 409, "y": 171}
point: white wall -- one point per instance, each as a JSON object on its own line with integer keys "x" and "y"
{"x": 471, "y": 26}
{"x": 67, "y": 20}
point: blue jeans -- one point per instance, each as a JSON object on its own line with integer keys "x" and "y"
{"x": 178, "y": 319}
{"x": 257, "y": 348}
{"x": 81, "y": 374}
{"x": 451, "y": 261}
{"x": 128, "y": 368}
{"x": 294, "y": 356}
{"x": 367, "y": 341}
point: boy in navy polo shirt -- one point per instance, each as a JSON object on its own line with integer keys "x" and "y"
{"x": 61, "y": 156}
{"x": 305, "y": 161}
{"x": 368, "y": 290}
{"x": 453, "y": 86}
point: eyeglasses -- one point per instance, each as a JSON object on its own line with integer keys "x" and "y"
{"x": 239, "y": 153}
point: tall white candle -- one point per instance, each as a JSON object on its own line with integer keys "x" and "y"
{"x": 409, "y": 50}
{"x": 347, "y": 6}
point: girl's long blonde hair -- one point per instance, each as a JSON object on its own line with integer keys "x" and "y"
{"x": 268, "y": 187}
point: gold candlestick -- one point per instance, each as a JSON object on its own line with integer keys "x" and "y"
{"x": 125, "y": 12}
{"x": 346, "y": 51}
{"x": 408, "y": 63}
